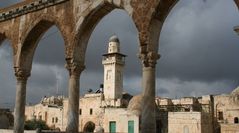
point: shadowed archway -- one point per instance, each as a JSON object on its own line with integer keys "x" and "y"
{"x": 89, "y": 127}
{"x": 23, "y": 67}
{"x": 86, "y": 28}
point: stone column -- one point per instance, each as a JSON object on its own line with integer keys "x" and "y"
{"x": 148, "y": 119}
{"x": 19, "y": 113}
{"x": 75, "y": 70}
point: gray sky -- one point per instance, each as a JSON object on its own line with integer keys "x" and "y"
{"x": 199, "y": 52}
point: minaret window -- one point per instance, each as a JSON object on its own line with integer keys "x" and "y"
{"x": 118, "y": 76}
{"x": 113, "y": 62}
{"x": 220, "y": 115}
{"x": 236, "y": 121}
{"x": 108, "y": 75}
{"x": 56, "y": 119}
{"x": 80, "y": 111}
{"x": 91, "y": 111}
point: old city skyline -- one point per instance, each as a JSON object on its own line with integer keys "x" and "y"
{"x": 170, "y": 77}
{"x": 202, "y": 69}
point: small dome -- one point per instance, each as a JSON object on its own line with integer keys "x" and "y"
{"x": 236, "y": 91}
{"x": 135, "y": 104}
{"x": 99, "y": 129}
{"x": 114, "y": 38}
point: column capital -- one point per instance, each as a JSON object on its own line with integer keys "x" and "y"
{"x": 74, "y": 67}
{"x": 21, "y": 74}
{"x": 236, "y": 29}
{"x": 149, "y": 59}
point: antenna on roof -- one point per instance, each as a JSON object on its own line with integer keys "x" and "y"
{"x": 57, "y": 81}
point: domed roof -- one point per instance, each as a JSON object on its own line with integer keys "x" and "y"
{"x": 99, "y": 129}
{"x": 236, "y": 91}
{"x": 135, "y": 104}
{"x": 114, "y": 38}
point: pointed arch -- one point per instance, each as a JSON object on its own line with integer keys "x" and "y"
{"x": 237, "y": 3}
{"x": 159, "y": 16}
{"x": 32, "y": 36}
{"x": 89, "y": 127}
{"x": 85, "y": 27}
{"x": 162, "y": 11}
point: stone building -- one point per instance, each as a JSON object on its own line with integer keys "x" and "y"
{"x": 105, "y": 109}
{"x": 185, "y": 115}
{"x": 6, "y": 119}
{"x": 49, "y": 110}
{"x": 227, "y": 112}
{"x": 110, "y": 109}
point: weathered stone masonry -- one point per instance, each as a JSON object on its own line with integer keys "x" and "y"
{"x": 23, "y": 25}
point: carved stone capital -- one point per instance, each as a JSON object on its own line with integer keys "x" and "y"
{"x": 21, "y": 74}
{"x": 75, "y": 68}
{"x": 149, "y": 59}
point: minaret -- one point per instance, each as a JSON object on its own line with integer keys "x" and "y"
{"x": 113, "y": 63}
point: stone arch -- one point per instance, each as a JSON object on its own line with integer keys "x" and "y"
{"x": 89, "y": 127}
{"x": 158, "y": 17}
{"x": 237, "y": 3}
{"x": 86, "y": 25}
{"x": 32, "y": 36}
{"x": 156, "y": 23}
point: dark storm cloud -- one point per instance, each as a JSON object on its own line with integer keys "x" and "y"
{"x": 201, "y": 45}
{"x": 5, "y": 3}
{"x": 7, "y": 78}
{"x": 162, "y": 91}
{"x": 50, "y": 49}
{"x": 179, "y": 88}
{"x": 117, "y": 22}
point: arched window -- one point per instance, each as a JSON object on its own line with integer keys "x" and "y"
{"x": 56, "y": 119}
{"x": 91, "y": 111}
{"x": 220, "y": 115}
{"x": 236, "y": 120}
{"x": 185, "y": 129}
{"x": 89, "y": 127}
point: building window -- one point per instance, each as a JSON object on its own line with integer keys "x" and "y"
{"x": 56, "y": 119}
{"x": 130, "y": 126}
{"x": 108, "y": 74}
{"x": 80, "y": 112}
{"x": 91, "y": 111}
{"x": 112, "y": 126}
{"x": 53, "y": 120}
{"x": 220, "y": 115}
{"x": 46, "y": 116}
{"x": 185, "y": 129}
{"x": 40, "y": 117}
{"x": 236, "y": 120}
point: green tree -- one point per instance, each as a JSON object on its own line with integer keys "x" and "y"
{"x": 34, "y": 124}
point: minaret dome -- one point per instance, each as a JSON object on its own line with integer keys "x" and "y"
{"x": 114, "y": 45}
{"x": 114, "y": 38}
